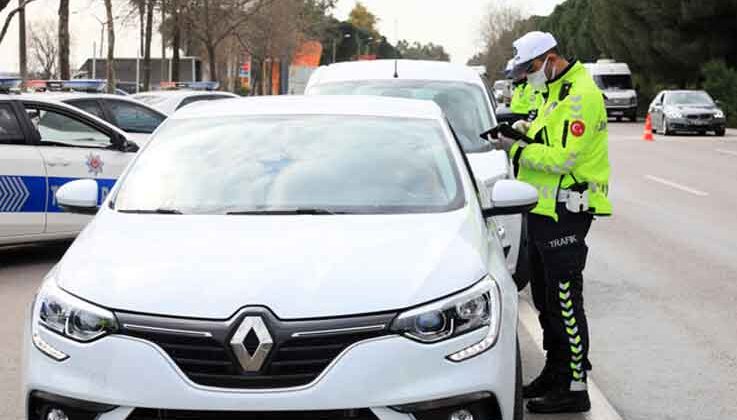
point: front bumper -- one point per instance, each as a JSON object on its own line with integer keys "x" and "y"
{"x": 621, "y": 111}
{"x": 129, "y": 373}
{"x": 687, "y": 124}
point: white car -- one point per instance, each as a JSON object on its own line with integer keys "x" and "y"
{"x": 137, "y": 119}
{"x": 169, "y": 101}
{"x": 44, "y": 144}
{"x": 462, "y": 94}
{"x": 284, "y": 257}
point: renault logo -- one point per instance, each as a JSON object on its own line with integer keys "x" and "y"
{"x": 252, "y": 343}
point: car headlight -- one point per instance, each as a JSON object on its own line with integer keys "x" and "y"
{"x": 69, "y": 316}
{"x": 719, "y": 114}
{"x": 673, "y": 114}
{"x": 469, "y": 310}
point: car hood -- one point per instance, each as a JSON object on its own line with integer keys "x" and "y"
{"x": 298, "y": 266}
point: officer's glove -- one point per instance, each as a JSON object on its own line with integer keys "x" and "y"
{"x": 522, "y": 126}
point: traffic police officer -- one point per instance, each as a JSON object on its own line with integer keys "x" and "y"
{"x": 525, "y": 99}
{"x": 564, "y": 155}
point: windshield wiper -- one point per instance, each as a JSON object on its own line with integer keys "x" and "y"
{"x": 284, "y": 212}
{"x": 156, "y": 211}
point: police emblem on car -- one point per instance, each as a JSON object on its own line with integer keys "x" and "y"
{"x": 94, "y": 164}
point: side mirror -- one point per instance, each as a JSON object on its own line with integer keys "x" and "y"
{"x": 718, "y": 103}
{"x": 511, "y": 197}
{"x": 78, "y": 196}
{"x": 119, "y": 142}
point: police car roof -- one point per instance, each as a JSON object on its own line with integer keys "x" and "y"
{"x": 406, "y": 70}
{"x": 181, "y": 93}
{"x": 314, "y": 105}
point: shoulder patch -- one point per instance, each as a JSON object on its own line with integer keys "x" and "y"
{"x": 578, "y": 128}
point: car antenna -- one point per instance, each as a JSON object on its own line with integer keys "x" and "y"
{"x": 396, "y": 59}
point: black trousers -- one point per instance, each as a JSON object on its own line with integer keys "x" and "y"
{"x": 557, "y": 252}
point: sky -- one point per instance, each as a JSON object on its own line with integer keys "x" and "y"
{"x": 454, "y": 25}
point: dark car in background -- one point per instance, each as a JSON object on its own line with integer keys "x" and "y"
{"x": 687, "y": 111}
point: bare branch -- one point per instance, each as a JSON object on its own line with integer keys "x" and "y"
{"x": 11, "y": 15}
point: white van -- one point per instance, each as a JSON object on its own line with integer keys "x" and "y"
{"x": 615, "y": 80}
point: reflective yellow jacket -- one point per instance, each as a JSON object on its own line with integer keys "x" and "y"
{"x": 571, "y": 144}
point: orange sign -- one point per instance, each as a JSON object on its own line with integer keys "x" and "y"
{"x": 308, "y": 54}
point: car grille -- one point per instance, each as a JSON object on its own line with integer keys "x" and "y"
{"x": 301, "y": 351}
{"x": 700, "y": 116}
{"x": 153, "y": 414}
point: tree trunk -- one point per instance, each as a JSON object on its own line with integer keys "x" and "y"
{"x": 176, "y": 41}
{"x": 65, "y": 72}
{"x": 110, "y": 46}
{"x": 164, "y": 70}
{"x": 211, "y": 57}
{"x": 23, "y": 51}
{"x": 147, "y": 45}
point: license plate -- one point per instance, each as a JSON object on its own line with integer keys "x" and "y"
{"x": 699, "y": 122}
{"x": 616, "y": 113}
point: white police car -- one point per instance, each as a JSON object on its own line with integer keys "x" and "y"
{"x": 44, "y": 144}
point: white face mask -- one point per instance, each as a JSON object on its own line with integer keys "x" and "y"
{"x": 538, "y": 79}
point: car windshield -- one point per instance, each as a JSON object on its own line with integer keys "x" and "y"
{"x": 464, "y": 104}
{"x": 271, "y": 164}
{"x": 614, "y": 81}
{"x": 688, "y": 98}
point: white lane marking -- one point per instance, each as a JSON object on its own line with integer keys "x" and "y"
{"x": 676, "y": 186}
{"x": 729, "y": 152}
{"x": 601, "y": 408}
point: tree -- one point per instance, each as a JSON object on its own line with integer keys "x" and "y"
{"x": 44, "y": 50}
{"x": 9, "y": 18}
{"x": 110, "y": 46}
{"x": 65, "y": 72}
{"x": 362, "y": 18}
{"x": 176, "y": 38}
{"x": 418, "y": 51}
{"x": 211, "y": 22}
{"x": 148, "y": 32}
{"x": 502, "y": 24}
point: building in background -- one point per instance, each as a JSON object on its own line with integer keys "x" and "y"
{"x": 131, "y": 70}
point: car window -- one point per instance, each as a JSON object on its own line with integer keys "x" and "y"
{"x": 351, "y": 164}
{"x": 90, "y": 106}
{"x": 59, "y": 128}
{"x": 200, "y": 98}
{"x": 464, "y": 104}
{"x": 134, "y": 118}
{"x": 191, "y": 99}
{"x": 10, "y": 131}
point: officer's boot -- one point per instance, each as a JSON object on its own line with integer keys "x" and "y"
{"x": 544, "y": 382}
{"x": 565, "y": 397}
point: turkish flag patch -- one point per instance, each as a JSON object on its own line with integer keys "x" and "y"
{"x": 578, "y": 128}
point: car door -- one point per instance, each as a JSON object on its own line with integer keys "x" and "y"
{"x": 22, "y": 178}
{"x": 135, "y": 119}
{"x": 73, "y": 146}
{"x": 656, "y": 111}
